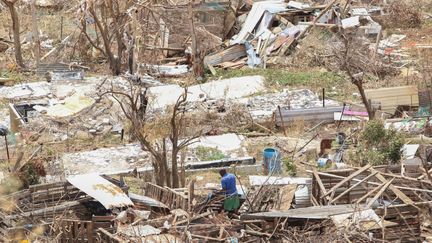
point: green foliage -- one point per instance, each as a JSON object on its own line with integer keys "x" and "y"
{"x": 284, "y": 77}
{"x": 207, "y": 153}
{"x": 17, "y": 76}
{"x": 373, "y": 133}
{"x": 30, "y": 175}
{"x": 11, "y": 184}
{"x": 290, "y": 166}
{"x": 378, "y": 146}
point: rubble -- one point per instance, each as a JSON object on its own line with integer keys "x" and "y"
{"x": 103, "y": 160}
{"x": 109, "y": 188}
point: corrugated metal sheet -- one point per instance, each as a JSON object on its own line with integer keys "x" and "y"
{"x": 148, "y": 201}
{"x": 314, "y": 114}
{"x": 392, "y": 97}
{"x": 351, "y": 22}
{"x": 105, "y": 192}
{"x": 359, "y": 12}
{"x": 231, "y": 53}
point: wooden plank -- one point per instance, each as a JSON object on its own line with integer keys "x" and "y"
{"x": 352, "y": 187}
{"x": 396, "y": 191}
{"x": 378, "y": 194}
{"x": 107, "y": 235}
{"x": 193, "y": 218}
{"x": 75, "y": 231}
{"x": 351, "y": 176}
{"x": 368, "y": 194}
{"x": 206, "y": 238}
{"x": 69, "y": 228}
{"x": 376, "y": 183}
{"x": 319, "y": 212}
{"x": 318, "y": 179}
{"x": 90, "y": 232}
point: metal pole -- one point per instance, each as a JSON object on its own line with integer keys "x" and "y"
{"x": 323, "y": 96}
{"x": 7, "y": 149}
{"x": 340, "y": 118}
{"x": 308, "y": 142}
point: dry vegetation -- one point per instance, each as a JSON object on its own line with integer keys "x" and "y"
{"x": 115, "y": 37}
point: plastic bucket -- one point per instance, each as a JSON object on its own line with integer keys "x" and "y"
{"x": 322, "y": 162}
{"x": 271, "y": 161}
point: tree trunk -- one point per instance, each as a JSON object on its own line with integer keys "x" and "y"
{"x": 16, "y": 32}
{"x": 197, "y": 62}
{"x": 182, "y": 168}
{"x": 368, "y": 106}
{"x": 82, "y": 39}
{"x": 164, "y": 163}
{"x": 118, "y": 31}
{"x": 158, "y": 178}
{"x": 174, "y": 168}
{"x": 36, "y": 40}
{"x": 112, "y": 59}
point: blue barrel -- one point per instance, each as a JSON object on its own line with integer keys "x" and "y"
{"x": 271, "y": 161}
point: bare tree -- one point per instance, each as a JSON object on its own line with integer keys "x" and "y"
{"x": 353, "y": 57}
{"x": 11, "y": 4}
{"x": 157, "y": 135}
{"x": 36, "y": 40}
{"x": 178, "y": 126}
{"x": 196, "y": 55}
{"x": 110, "y": 18}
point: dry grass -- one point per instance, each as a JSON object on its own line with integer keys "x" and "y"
{"x": 402, "y": 14}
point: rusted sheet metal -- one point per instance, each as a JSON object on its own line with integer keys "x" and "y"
{"x": 231, "y": 53}
{"x": 108, "y": 194}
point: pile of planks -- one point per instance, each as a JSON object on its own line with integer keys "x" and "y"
{"x": 393, "y": 197}
{"x": 44, "y": 204}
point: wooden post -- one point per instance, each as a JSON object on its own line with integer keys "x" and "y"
{"x": 191, "y": 194}
{"x": 7, "y": 149}
{"x": 282, "y": 121}
{"x": 61, "y": 28}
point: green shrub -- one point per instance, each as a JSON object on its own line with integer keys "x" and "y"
{"x": 290, "y": 166}
{"x": 207, "y": 153}
{"x": 377, "y": 145}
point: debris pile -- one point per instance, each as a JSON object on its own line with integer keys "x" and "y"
{"x": 378, "y": 202}
{"x": 147, "y": 149}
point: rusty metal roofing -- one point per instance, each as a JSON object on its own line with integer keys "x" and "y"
{"x": 105, "y": 192}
